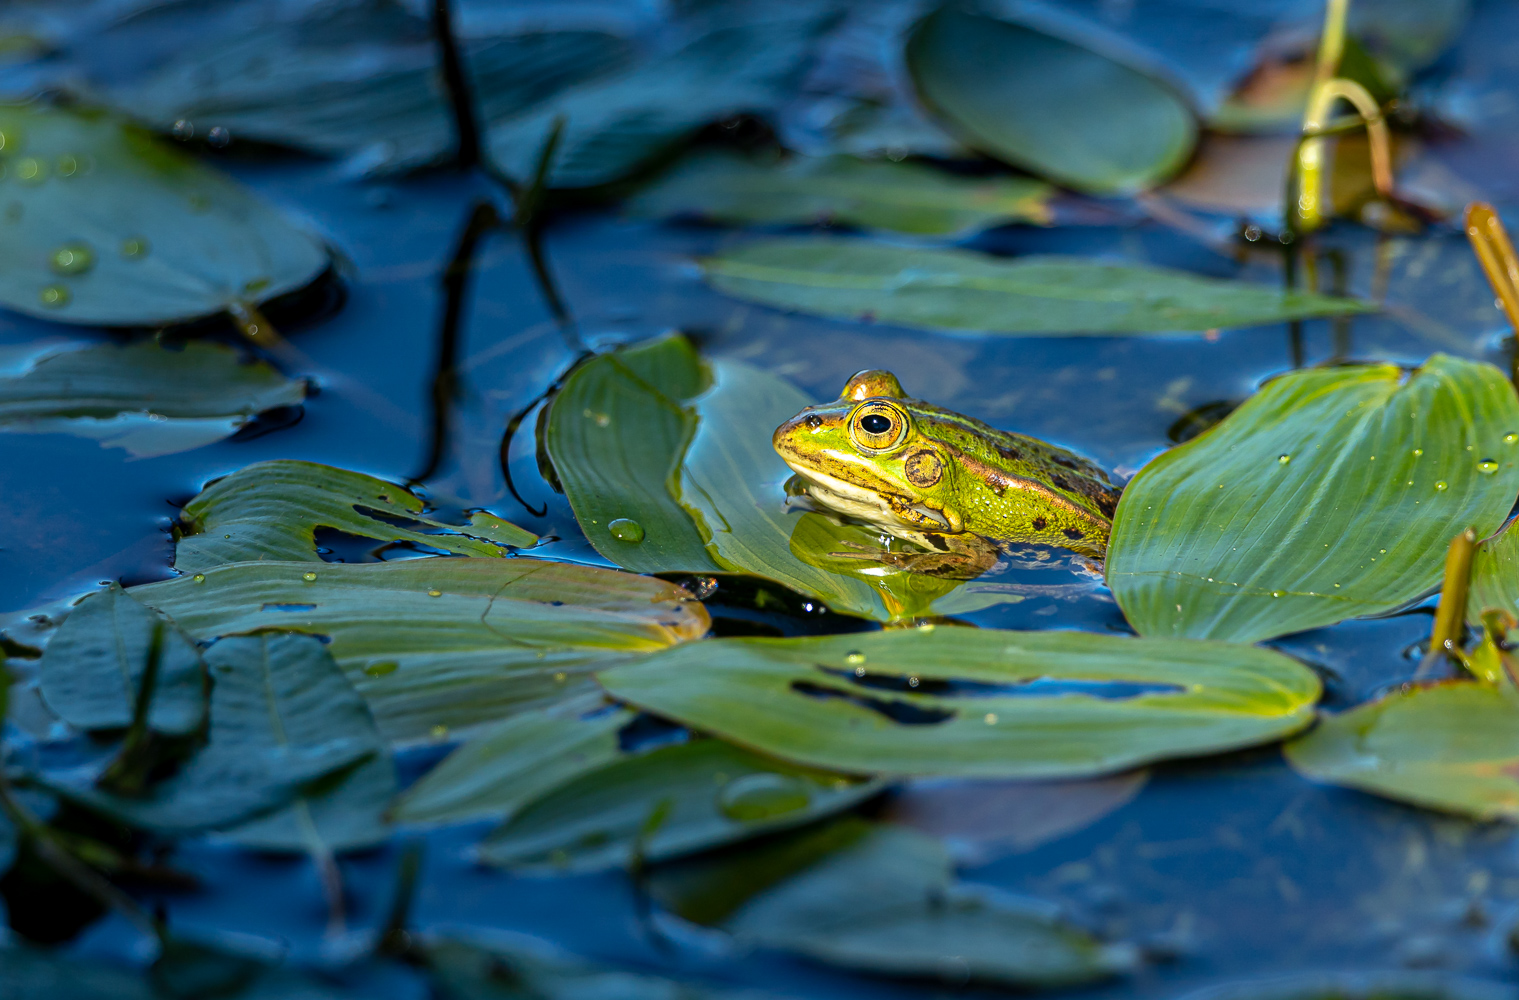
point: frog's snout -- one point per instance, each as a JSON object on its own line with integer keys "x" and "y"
{"x": 786, "y": 436}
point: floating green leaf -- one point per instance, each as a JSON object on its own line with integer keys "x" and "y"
{"x": 902, "y": 197}
{"x": 962, "y": 290}
{"x": 616, "y": 124}
{"x": 1452, "y": 746}
{"x": 145, "y": 397}
{"x": 1330, "y": 494}
{"x": 439, "y": 644}
{"x": 270, "y": 510}
{"x": 92, "y": 671}
{"x": 279, "y": 721}
{"x": 1495, "y": 574}
{"x": 103, "y": 224}
{"x": 974, "y": 703}
{"x": 662, "y": 804}
{"x": 1048, "y": 105}
{"x": 883, "y": 899}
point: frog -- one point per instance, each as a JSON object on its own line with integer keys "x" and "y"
{"x": 941, "y": 480}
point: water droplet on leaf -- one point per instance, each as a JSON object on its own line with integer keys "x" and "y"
{"x": 134, "y": 248}
{"x": 1284, "y": 459}
{"x": 1510, "y": 438}
{"x": 382, "y": 668}
{"x": 199, "y": 578}
{"x": 1278, "y": 593}
{"x": 626, "y": 530}
{"x": 1441, "y": 486}
{"x": 854, "y": 656}
{"x": 72, "y": 258}
{"x": 55, "y": 296}
{"x": 32, "y": 170}
{"x": 1487, "y": 467}
{"x": 1418, "y": 452}
{"x": 309, "y": 577}
{"x": 435, "y": 593}
{"x": 762, "y": 796}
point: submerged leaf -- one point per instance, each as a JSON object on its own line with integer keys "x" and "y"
{"x": 92, "y": 670}
{"x": 270, "y": 510}
{"x": 705, "y": 793}
{"x": 505, "y": 767}
{"x": 440, "y": 644}
{"x": 280, "y": 719}
{"x": 974, "y": 703}
{"x": 144, "y": 397}
{"x": 1330, "y": 494}
{"x": 106, "y": 225}
{"x": 902, "y": 197}
{"x": 1452, "y": 746}
{"x": 1050, "y": 106}
{"x": 962, "y": 290}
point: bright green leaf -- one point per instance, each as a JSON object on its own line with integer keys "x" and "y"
{"x": 1052, "y": 107}
{"x": 145, "y": 397}
{"x": 106, "y": 225}
{"x": 515, "y": 761}
{"x": 1452, "y": 746}
{"x": 1330, "y": 494}
{"x": 281, "y": 718}
{"x": 1495, "y": 573}
{"x": 91, "y": 672}
{"x": 974, "y": 703}
{"x": 705, "y": 792}
{"x": 962, "y": 290}
{"x": 902, "y": 197}
{"x": 439, "y": 644}
{"x": 270, "y": 510}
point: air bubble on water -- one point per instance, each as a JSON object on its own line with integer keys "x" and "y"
{"x": 71, "y": 259}
{"x": 1284, "y": 459}
{"x": 626, "y": 529}
{"x": 55, "y": 296}
{"x": 1487, "y": 466}
{"x": 134, "y": 247}
{"x": 219, "y": 137}
{"x": 761, "y": 796}
{"x": 309, "y": 577}
{"x": 1441, "y": 486}
{"x": 859, "y": 671}
{"x": 184, "y": 129}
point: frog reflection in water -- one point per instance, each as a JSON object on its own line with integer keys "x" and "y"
{"x": 953, "y": 486}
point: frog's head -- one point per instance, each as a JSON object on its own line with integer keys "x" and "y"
{"x": 863, "y": 455}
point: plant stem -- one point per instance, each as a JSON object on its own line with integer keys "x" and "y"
{"x": 1450, "y": 617}
{"x": 1496, "y": 253}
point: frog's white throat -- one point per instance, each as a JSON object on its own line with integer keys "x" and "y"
{"x": 856, "y": 501}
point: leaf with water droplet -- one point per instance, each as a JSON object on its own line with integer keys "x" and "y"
{"x": 716, "y": 794}
{"x": 1067, "y": 703}
{"x": 1260, "y": 557}
{"x": 273, "y": 510}
{"x": 129, "y": 191}
{"x": 626, "y": 529}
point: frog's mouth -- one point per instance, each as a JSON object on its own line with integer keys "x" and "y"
{"x": 858, "y": 502}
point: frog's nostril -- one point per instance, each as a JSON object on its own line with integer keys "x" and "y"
{"x": 814, "y": 421}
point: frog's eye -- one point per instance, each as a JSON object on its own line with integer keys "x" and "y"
{"x": 878, "y": 426}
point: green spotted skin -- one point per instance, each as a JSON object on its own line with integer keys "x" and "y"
{"x": 912, "y": 468}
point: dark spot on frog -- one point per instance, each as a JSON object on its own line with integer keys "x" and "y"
{"x": 1039, "y": 524}
{"x": 1062, "y": 460}
{"x": 923, "y": 468}
{"x": 1072, "y": 534}
{"x": 937, "y": 541}
{"x": 1063, "y": 483}
{"x": 1009, "y": 454}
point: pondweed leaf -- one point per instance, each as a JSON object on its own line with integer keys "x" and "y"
{"x": 92, "y": 671}
{"x": 506, "y": 766}
{"x": 880, "y": 194}
{"x": 941, "y": 289}
{"x": 1452, "y": 746}
{"x": 440, "y": 644}
{"x": 281, "y": 718}
{"x": 106, "y": 225}
{"x": 974, "y": 703}
{"x": 271, "y": 510}
{"x": 1332, "y": 493}
{"x": 700, "y": 794}
{"x": 1495, "y": 574}
{"x": 147, "y": 398}
{"x": 1049, "y": 106}
{"x": 883, "y": 899}
{"x": 616, "y": 124}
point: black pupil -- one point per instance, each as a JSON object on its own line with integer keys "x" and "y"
{"x": 875, "y": 423}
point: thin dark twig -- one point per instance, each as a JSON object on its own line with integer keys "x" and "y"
{"x": 395, "y": 936}
{"x": 515, "y": 423}
{"x": 467, "y": 133}
{"x": 128, "y": 773}
{"x": 445, "y": 382}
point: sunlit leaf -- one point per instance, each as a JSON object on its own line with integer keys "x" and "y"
{"x": 145, "y": 397}
{"x": 105, "y": 224}
{"x": 440, "y": 644}
{"x": 92, "y": 671}
{"x": 962, "y": 290}
{"x": 515, "y": 761}
{"x": 1048, "y": 105}
{"x": 884, "y": 900}
{"x": 662, "y": 804}
{"x": 616, "y": 124}
{"x": 974, "y": 703}
{"x": 1331, "y": 493}
{"x": 270, "y": 510}
{"x": 902, "y": 197}
{"x": 278, "y": 723}
{"x": 1452, "y": 746}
